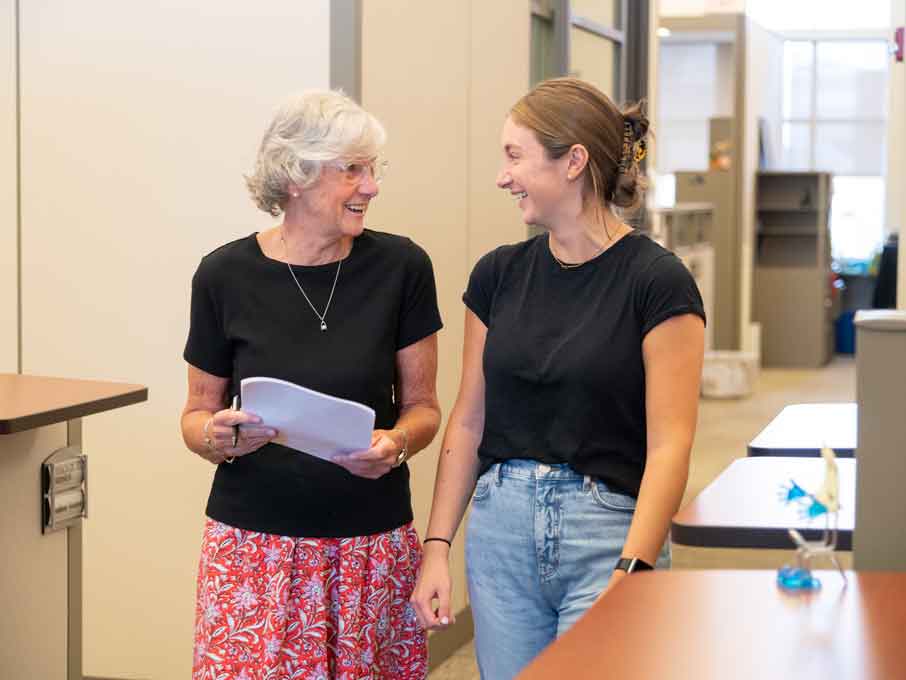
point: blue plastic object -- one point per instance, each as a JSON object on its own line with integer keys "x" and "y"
{"x": 794, "y": 578}
{"x": 794, "y": 491}
{"x": 845, "y": 333}
{"x": 816, "y": 508}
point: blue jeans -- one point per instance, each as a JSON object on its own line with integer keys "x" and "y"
{"x": 541, "y": 545}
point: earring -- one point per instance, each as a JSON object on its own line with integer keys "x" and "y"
{"x": 294, "y": 195}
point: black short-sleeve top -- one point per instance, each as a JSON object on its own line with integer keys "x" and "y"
{"x": 563, "y": 369}
{"x": 248, "y": 318}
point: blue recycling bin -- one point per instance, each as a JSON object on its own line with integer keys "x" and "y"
{"x": 845, "y": 333}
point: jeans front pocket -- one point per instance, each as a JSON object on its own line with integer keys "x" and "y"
{"x": 483, "y": 487}
{"x": 611, "y": 500}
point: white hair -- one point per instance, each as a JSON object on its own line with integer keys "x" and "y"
{"x": 307, "y": 131}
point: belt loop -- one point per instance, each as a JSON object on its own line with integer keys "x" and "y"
{"x": 586, "y": 484}
{"x": 499, "y": 474}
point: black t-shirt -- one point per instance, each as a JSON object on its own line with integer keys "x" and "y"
{"x": 249, "y": 319}
{"x": 563, "y": 369}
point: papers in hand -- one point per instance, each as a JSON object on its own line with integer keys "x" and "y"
{"x": 306, "y": 420}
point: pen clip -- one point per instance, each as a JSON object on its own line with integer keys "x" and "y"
{"x": 235, "y": 407}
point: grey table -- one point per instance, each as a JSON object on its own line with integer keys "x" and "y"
{"x": 741, "y": 507}
{"x": 802, "y": 429}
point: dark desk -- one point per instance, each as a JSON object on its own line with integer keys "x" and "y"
{"x": 713, "y": 625}
{"x": 741, "y": 508}
{"x": 801, "y": 430}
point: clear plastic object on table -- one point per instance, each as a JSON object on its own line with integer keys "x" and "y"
{"x": 798, "y": 576}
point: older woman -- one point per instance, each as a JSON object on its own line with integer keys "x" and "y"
{"x": 307, "y": 565}
{"x": 577, "y": 407}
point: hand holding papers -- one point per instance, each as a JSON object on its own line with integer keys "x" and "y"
{"x": 306, "y": 420}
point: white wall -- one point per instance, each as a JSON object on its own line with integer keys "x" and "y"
{"x": 762, "y": 81}
{"x": 138, "y": 120}
{"x": 896, "y": 155}
{"x": 9, "y": 278}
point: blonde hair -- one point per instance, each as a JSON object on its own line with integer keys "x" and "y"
{"x": 306, "y": 131}
{"x": 567, "y": 111}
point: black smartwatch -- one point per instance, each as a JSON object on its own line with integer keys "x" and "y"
{"x": 631, "y": 564}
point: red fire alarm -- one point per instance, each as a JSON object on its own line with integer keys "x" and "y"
{"x": 898, "y": 43}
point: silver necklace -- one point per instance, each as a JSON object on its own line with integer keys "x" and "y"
{"x": 301, "y": 290}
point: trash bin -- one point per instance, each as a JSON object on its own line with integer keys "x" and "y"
{"x": 845, "y": 333}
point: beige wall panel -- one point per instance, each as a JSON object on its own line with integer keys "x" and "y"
{"x": 415, "y": 72}
{"x": 498, "y": 78}
{"x": 138, "y": 122}
{"x": 437, "y": 75}
{"x": 33, "y": 571}
{"x": 9, "y": 267}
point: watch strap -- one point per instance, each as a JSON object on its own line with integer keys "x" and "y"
{"x": 631, "y": 564}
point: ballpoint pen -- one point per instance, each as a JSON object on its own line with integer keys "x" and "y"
{"x": 236, "y": 426}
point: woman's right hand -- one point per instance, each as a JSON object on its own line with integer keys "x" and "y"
{"x": 433, "y": 583}
{"x": 218, "y": 435}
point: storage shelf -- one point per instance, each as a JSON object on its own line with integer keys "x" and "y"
{"x": 792, "y": 269}
{"x": 783, "y": 231}
{"x": 783, "y": 208}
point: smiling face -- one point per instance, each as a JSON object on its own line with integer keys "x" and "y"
{"x": 541, "y": 186}
{"x": 338, "y": 201}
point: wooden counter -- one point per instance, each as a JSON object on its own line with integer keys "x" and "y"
{"x": 27, "y": 401}
{"x": 41, "y": 573}
{"x": 713, "y": 625}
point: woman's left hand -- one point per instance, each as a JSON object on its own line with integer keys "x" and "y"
{"x": 376, "y": 461}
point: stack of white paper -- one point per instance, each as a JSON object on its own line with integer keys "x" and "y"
{"x": 307, "y": 420}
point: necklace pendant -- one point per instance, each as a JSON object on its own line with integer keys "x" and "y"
{"x": 323, "y": 326}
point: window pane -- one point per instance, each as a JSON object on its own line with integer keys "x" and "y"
{"x": 798, "y": 58}
{"x": 795, "y": 147}
{"x": 857, "y": 214}
{"x": 692, "y": 83}
{"x": 596, "y": 60}
{"x": 852, "y": 79}
{"x": 664, "y": 190}
{"x": 850, "y": 148}
{"x": 606, "y": 12}
{"x": 682, "y": 145}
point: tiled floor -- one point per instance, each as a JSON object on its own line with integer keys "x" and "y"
{"x": 724, "y": 429}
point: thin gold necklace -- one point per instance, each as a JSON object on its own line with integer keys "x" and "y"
{"x": 573, "y": 265}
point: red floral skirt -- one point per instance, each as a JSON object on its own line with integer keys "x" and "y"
{"x": 274, "y": 607}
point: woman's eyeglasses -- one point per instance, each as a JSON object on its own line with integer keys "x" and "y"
{"x": 355, "y": 172}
